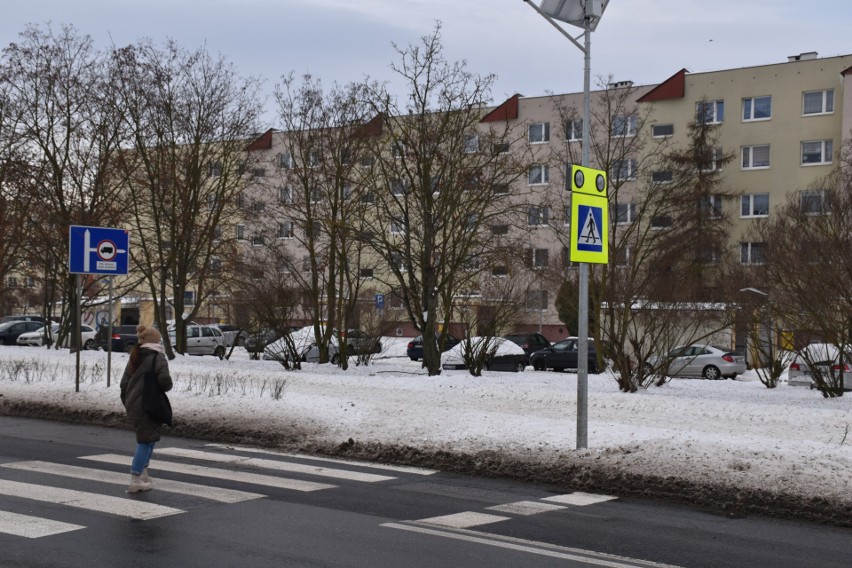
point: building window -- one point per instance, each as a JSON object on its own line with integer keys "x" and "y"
{"x": 215, "y": 169}
{"x": 539, "y": 133}
{"x": 471, "y": 222}
{"x": 662, "y": 130}
{"x": 313, "y": 159}
{"x": 707, "y": 255}
{"x": 574, "y": 129}
{"x": 257, "y": 240}
{"x": 624, "y": 126}
{"x": 710, "y": 206}
{"x": 537, "y": 300}
{"x": 752, "y": 253}
{"x": 397, "y": 187}
{"x": 661, "y": 177}
{"x": 258, "y": 172}
{"x": 754, "y": 205}
{"x": 500, "y": 229}
{"x": 286, "y": 230}
{"x": 538, "y": 216}
{"x": 501, "y": 189}
{"x": 366, "y": 273}
{"x": 812, "y": 202}
{"x": 397, "y": 261}
{"x": 817, "y": 152}
{"x": 538, "y": 175}
{"x": 398, "y": 149}
{"x": 212, "y": 201}
{"x": 625, "y": 213}
{"x": 397, "y": 227}
{"x": 710, "y": 112}
{"x": 622, "y": 256}
{"x": 566, "y": 259}
{"x": 500, "y": 271}
{"x": 241, "y": 232}
{"x": 11, "y": 282}
{"x": 285, "y": 161}
{"x": 285, "y": 195}
{"x": 755, "y": 157}
{"x": 661, "y": 222}
{"x": 501, "y": 148}
{"x": 623, "y": 170}
{"x": 540, "y": 258}
{"x": 709, "y": 159}
{"x": 471, "y": 143}
{"x": 757, "y": 108}
{"x": 818, "y": 102}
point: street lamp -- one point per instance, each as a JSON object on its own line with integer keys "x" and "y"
{"x": 584, "y": 14}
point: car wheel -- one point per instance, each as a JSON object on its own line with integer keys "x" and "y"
{"x": 335, "y": 359}
{"x": 711, "y": 373}
{"x": 593, "y": 367}
{"x": 558, "y": 369}
{"x": 414, "y": 358}
{"x": 519, "y": 367}
{"x": 89, "y": 344}
{"x": 538, "y": 366}
{"x": 219, "y": 352}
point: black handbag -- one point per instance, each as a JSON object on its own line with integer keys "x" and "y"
{"x": 155, "y": 403}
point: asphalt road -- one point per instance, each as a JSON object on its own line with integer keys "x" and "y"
{"x": 62, "y": 503}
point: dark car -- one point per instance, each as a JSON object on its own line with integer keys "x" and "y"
{"x": 360, "y": 343}
{"x": 415, "y": 346}
{"x": 563, "y": 355}
{"x": 10, "y": 330}
{"x": 529, "y": 342}
{"x": 123, "y": 338}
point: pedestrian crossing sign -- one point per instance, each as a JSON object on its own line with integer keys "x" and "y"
{"x": 589, "y": 229}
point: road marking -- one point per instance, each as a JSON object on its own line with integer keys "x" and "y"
{"x": 32, "y": 527}
{"x": 463, "y": 520}
{"x": 201, "y": 471}
{"x": 275, "y": 465}
{"x": 373, "y": 465}
{"x": 203, "y": 491}
{"x": 130, "y": 508}
{"x": 579, "y": 498}
{"x": 526, "y": 508}
{"x": 533, "y": 547}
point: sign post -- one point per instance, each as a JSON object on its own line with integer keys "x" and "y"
{"x": 96, "y": 250}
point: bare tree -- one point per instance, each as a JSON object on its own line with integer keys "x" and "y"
{"x": 57, "y": 87}
{"x": 438, "y": 186}
{"x": 322, "y": 200}
{"x": 190, "y": 118}
{"x": 808, "y": 244}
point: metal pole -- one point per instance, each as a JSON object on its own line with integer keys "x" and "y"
{"x": 583, "y": 307}
{"x": 77, "y": 335}
{"x": 109, "y": 333}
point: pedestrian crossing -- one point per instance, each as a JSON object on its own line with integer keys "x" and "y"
{"x": 261, "y": 471}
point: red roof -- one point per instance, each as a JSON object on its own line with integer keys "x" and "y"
{"x": 262, "y": 142}
{"x": 506, "y": 111}
{"x": 672, "y": 88}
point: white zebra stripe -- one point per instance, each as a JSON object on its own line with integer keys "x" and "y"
{"x": 32, "y": 527}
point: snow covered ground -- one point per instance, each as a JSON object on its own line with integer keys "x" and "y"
{"x": 737, "y": 440}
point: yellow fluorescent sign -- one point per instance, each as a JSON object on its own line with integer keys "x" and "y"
{"x": 589, "y": 229}
{"x": 589, "y": 181}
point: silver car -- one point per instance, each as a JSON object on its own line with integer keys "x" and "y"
{"x": 824, "y": 355}
{"x": 202, "y": 340}
{"x": 706, "y": 361}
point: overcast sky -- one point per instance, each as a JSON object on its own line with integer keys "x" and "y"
{"x": 644, "y": 41}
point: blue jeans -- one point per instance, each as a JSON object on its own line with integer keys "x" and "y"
{"x": 141, "y": 457}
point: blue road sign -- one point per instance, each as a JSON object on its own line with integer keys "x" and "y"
{"x": 98, "y": 250}
{"x": 589, "y": 229}
{"x": 380, "y": 301}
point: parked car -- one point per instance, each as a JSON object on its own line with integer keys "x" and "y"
{"x": 303, "y": 341}
{"x": 529, "y": 342}
{"x": 202, "y": 340}
{"x": 4, "y": 319}
{"x": 823, "y": 355}
{"x": 123, "y": 338}
{"x": 706, "y": 361}
{"x": 415, "y": 346}
{"x": 11, "y": 330}
{"x": 508, "y": 356}
{"x": 39, "y": 337}
{"x": 564, "y": 355}
{"x": 359, "y": 342}
{"x": 230, "y": 332}
{"x": 257, "y": 341}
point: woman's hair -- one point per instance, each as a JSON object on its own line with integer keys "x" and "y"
{"x": 134, "y": 358}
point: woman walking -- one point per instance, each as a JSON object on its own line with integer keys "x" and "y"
{"x": 147, "y": 355}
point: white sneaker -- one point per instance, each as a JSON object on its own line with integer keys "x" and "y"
{"x": 145, "y": 478}
{"x": 137, "y": 485}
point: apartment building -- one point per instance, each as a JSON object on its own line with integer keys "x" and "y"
{"x": 785, "y": 123}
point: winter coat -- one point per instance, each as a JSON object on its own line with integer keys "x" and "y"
{"x": 132, "y": 386}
